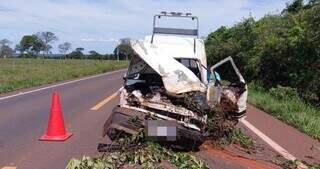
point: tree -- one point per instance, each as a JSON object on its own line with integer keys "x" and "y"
{"x": 46, "y": 38}
{"x": 124, "y": 51}
{"x": 238, "y": 42}
{"x": 5, "y": 49}
{"x": 313, "y": 3}
{"x": 295, "y": 6}
{"x": 30, "y": 44}
{"x": 79, "y": 49}
{"x": 109, "y": 57}
{"x": 94, "y": 55}
{"x": 17, "y": 48}
{"x": 76, "y": 54}
{"x": 64, "y": 47}
{"x": 4, "y": 42}
{"x": 280, "y": 49}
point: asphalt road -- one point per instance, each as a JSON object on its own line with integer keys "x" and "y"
{"x": 24, "y": 117}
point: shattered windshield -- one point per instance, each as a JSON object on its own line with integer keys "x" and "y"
{"x": 192, "y": 65}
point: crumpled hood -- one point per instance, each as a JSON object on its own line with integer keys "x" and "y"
{"x": 176, "y": 77}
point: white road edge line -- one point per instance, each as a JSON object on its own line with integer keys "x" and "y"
{"x": 60, "y": 84}
{"x": 272, "y": 143}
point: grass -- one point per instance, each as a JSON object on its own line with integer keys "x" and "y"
{"x": 23, "y": 73}
{"x": 287, "y": 108}
{"x": 242, "y": 139}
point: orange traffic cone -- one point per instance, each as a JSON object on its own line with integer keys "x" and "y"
{"x": 56, "y": 130}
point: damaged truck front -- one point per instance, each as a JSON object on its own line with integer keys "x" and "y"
{"x": 169, "y": 90}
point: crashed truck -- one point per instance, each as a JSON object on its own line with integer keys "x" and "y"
{"x": 169, "y": 90}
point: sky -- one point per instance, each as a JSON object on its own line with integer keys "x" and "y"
{"x": 98, "y": 24}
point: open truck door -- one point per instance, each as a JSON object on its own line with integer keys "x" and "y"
{"x": 227, "y": 89}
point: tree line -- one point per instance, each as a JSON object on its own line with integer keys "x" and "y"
{"x": 40, "y": 45}
{"x": 278, "y": 49}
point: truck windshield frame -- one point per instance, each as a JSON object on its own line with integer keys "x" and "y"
{"x": 191, "y": 64}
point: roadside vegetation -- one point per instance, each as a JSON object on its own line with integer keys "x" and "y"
{"x": 284, "y": 103}
{"x": 23, "y": 73}
{"x": 281, "y": 52}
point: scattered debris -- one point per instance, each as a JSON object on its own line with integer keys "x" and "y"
{"x": 238, "y": 137}
{"x": 147, "y": 155}
{"x": 220, "y": 126}
{"x": 151, "y": 156}
{"x": 296, "y": 164}
{"x": 284, "y": 163}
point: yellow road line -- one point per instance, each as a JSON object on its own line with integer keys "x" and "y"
{"x": 9, "y": 167}
{"x": 104, "y": 101}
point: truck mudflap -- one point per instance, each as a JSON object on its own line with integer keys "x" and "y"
{"x": 125, "y": 122}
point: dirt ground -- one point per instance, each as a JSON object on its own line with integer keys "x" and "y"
{"x": 236, "y": 157}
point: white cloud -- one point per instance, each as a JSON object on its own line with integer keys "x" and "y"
{"x": 85, "y": 22}
{"x": 100, "y": 40}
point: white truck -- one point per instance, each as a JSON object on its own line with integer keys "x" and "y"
{"x": 169, "y": 90}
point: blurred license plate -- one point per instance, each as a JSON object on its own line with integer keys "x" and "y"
{"x": 162, "y": 130}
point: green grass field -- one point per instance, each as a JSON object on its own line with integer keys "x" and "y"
{"x": 288, "y": 109}
{"x": 23, "y": 73}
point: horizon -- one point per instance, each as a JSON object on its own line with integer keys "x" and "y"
{"x": 98, "y": 25}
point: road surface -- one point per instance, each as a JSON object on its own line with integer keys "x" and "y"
{"x": 23, "y": 119}
{"x": 86, "y": 104}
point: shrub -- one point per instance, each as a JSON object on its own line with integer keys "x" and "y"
{"x": 279, "y": 49}
{"x": 281, "y": 92}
